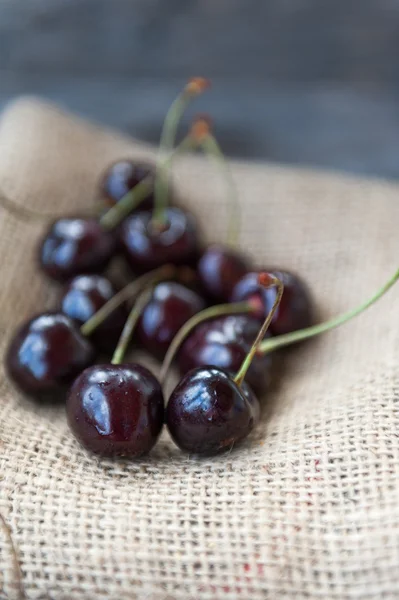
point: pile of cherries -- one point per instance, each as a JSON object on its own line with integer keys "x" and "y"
{"x": 116, "y": 407}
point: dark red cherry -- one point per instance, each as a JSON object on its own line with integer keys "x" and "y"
{"x": 147, "y": 247}
{"x": 46, "y": 354}
{"x": 124, "y": 175}
{"x": 76, "y": 245}
{"x": 219, "y": 270}
{"x": 295, "y": 310}
{"x": 82, "y": 297}
{"x": 116, "y": 409}
{"x": 172, "y": 304}
{"x": 208, "y": 413}
{"x": 225, "y": 342}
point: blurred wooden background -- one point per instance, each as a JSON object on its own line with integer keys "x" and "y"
{"x": 311, "y": 82}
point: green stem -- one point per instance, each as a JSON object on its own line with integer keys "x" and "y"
{"x": 212, "y": 148}
{"x": 129, "y": 291}
{"x": 239, "y": 378}
{"x": 140, "y": 192}
{"x": 166, "y": 144}
{"x": 129, "y": 202}
{"x": 172, "y": 120}
{"x": 272, "y": 344}
{"x": 130, "y": 325}
{"x": 209, "y": 313}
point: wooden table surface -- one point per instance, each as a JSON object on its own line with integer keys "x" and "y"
{"x": 298, "y": 81}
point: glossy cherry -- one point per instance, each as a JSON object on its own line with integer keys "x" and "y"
{"x": 224, "y": 342}
{"x": 46, "y": 354}
{"x": 82, "y": 297}
{"x": 116, "y": 409}
{"x": 219, "y": 270}
{"x": 146, "y": 246}
{"x": 172, "y": 304}
{"x": 208, "y": 413}
{"x": 76, "y": 245}
{"x": 124, "y": 175}
{"x": 295, "y": 309}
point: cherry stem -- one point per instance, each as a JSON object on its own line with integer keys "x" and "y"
{"x": 267, "y": 281}
{"x": 129, "y": 291}
{"x": 139, "y": 192}
{"x": 130, "y": 325}
{"x": 125, "y": 205}
{"x": 211, "y": 147}
{"x": 297, "y": 336}
{"x": 192, "y": 89}
{"x": 206, "y": 314}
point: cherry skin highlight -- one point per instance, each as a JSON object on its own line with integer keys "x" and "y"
{"x": 75, "y": 245}
{"x": 208, "y": 413}
{"x": 82, "y": 297}
{"x": 295, "y": 309}
{"x": 220, "y": 269}
{"x": 46, "y": 354}
{"x": 146, "y": 247}
{"x": 116, "y": 410}
{"x": 121, "y": 177}
{"x": 171, "y": 306}
{"x": 224, "y": 342}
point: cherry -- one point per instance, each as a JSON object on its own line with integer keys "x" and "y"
{"x": 208, "y": 413}
{"x": 294, "y": 311}
{"x": 224, "y": 342}
{"x": 116, "y": 409}
{"x": 172, "y": 304}
{"x": 83, "y": 296}
{"x": 147, "y": 246}
{"x": 220, "y": 269}
{"x": 210, "y": 409}
{"x": 75, "y": 245}
{"x": 122, "y": 176}
{"x": 46, "y": 354}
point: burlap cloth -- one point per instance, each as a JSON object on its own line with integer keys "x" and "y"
{"x": 308, "y": 507}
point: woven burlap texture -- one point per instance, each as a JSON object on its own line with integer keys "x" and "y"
{"x": 308, "y": 506}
